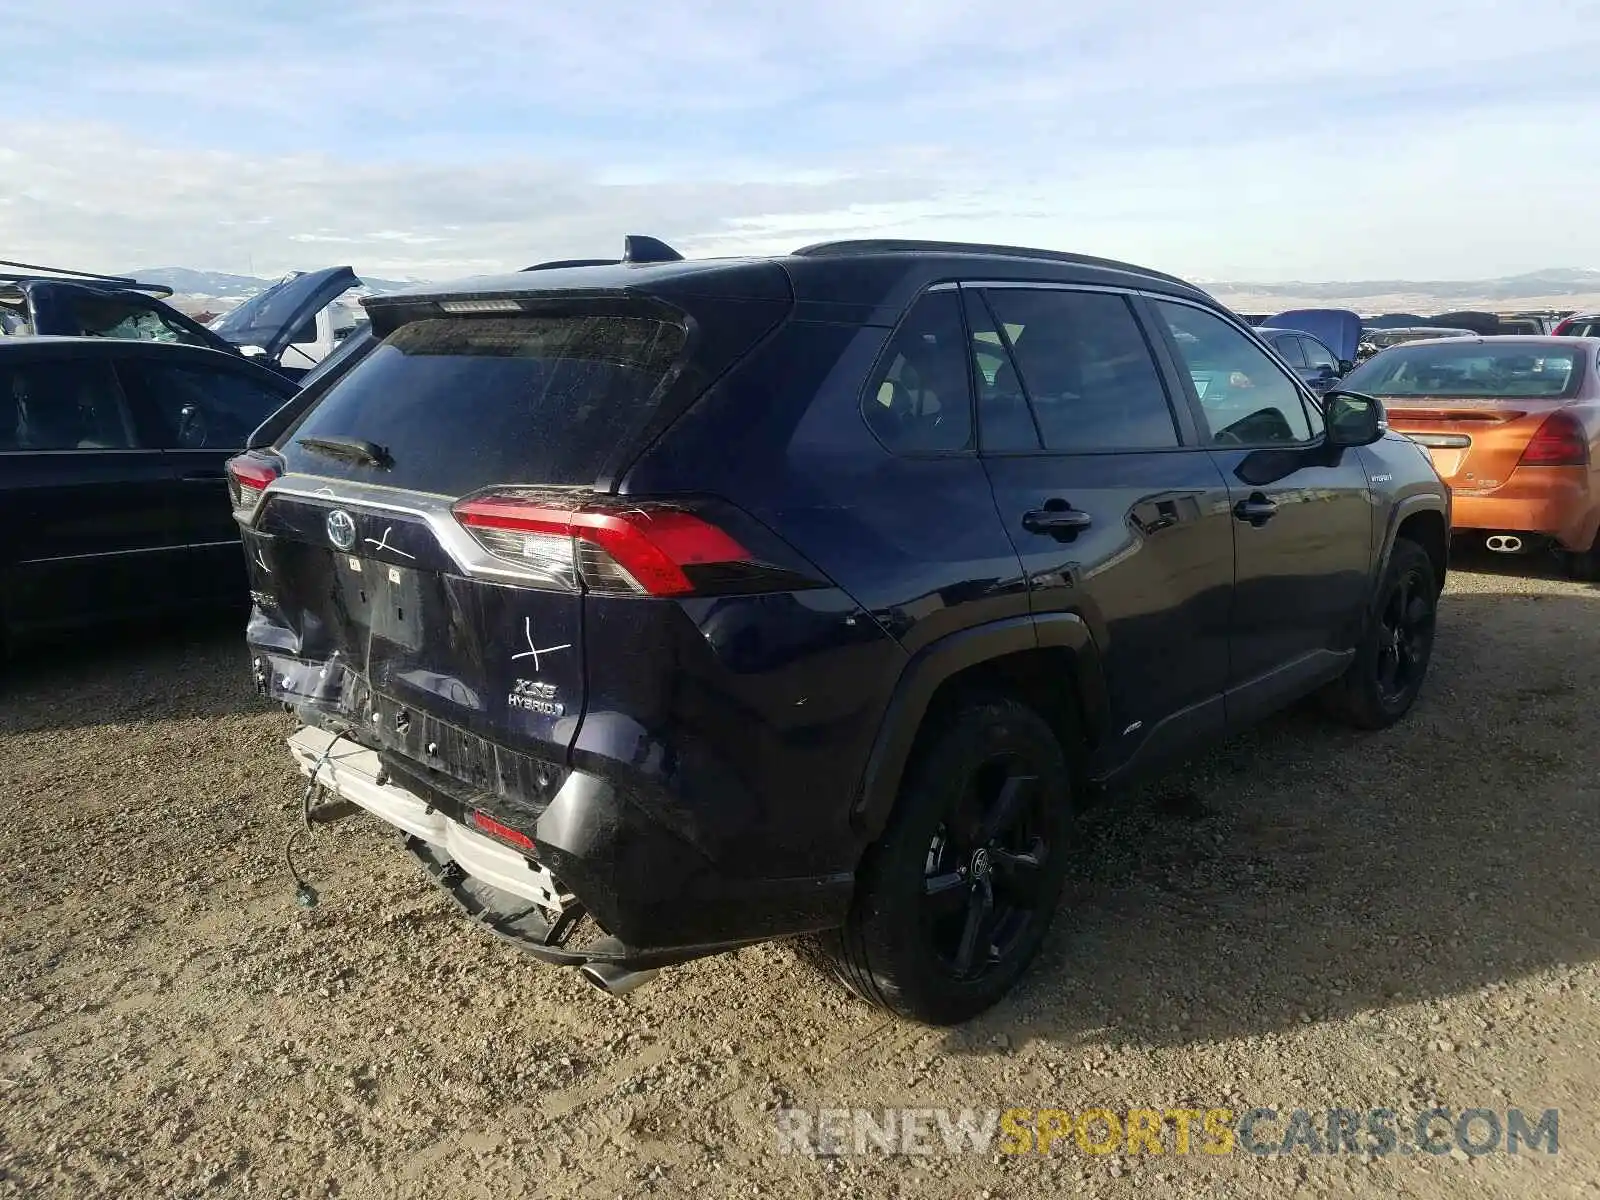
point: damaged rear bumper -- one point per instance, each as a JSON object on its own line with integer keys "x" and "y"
{"x": 604, "y": 888}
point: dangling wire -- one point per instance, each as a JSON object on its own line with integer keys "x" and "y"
{"x": 304, "y": 894}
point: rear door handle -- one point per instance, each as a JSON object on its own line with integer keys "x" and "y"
{"x": 1257, "y": 509}
{"x": 1061, "y": 522}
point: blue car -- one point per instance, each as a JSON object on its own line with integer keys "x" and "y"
{"x": 1319, "y": 344}
{"x": 669, "y": 606}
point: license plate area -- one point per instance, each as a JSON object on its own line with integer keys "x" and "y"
{"x": 380, "y": 599}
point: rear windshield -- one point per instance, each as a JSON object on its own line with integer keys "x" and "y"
{"x": 1469, "y": 369}
{"x": 460, "y": 403}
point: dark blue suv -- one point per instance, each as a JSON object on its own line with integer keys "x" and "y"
{"x": 669, "y": 606}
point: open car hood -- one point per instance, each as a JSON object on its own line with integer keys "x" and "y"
{"x": 271, "y": 318}
{"x": 1338, "y": 329}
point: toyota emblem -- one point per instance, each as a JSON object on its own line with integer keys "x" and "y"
{"x": 341, "y": 529}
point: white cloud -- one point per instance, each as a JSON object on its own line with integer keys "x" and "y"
{"x": 435, "y": 137}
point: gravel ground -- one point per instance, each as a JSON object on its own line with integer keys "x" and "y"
{"x": 1304, "y": 917}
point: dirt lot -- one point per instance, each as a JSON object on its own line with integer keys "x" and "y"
{"x": 1305, "y": 917}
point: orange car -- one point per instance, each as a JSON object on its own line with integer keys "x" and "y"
{"x": 1513, "y": 426}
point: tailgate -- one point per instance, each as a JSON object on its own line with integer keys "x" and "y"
{"x": 366, "y": 617}
{"x": 1475, "y": 444}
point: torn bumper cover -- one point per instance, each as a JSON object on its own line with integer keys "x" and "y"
{"x": 603, "y": 886}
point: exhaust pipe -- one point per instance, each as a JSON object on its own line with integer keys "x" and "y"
{"x": 613, "y": 980}
{"x": 1504, "y": 543}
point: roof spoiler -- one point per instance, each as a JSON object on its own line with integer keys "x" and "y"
{"x": 21, "y": 272}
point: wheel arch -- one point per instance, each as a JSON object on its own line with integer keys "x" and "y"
{"x": 1425, "y": 520}
{"x": 1050, "y": 660}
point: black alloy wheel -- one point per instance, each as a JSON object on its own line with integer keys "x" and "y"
{"x": 985, "y": 861}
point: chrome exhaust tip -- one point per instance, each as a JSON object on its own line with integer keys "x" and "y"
{"x": 1504, "y": 543}
{"x": 615, "y": 981}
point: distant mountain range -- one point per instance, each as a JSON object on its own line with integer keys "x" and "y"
{"x": 1558, "y": 288}
{"x": 1554, "y": 282}
{"x": 186, "y": 281}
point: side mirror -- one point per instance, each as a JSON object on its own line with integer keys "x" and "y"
{"x": 1353, "y": 419}
{"x": 1346, "y": 366}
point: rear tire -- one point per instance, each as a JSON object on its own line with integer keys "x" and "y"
{"x": 1391, "y": 661}
{"x": 953, "y": 902}
{"x": 1583, "y": 565}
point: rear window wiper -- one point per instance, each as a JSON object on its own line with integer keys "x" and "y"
{"x": 367, "y": 454}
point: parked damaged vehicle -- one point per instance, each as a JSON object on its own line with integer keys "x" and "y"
{"x": 1513, "y": 425}
{"x": 1319, "y": 344}
{"x": 289, "y": 327}
{"x": 1003, "y": 527}
{"x": 113, "y": 494}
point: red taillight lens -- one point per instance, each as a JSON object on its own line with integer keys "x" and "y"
{"x": 1559, "y": 442}
{"x": 505, "y": 833}
{"x": 644, "y": 550}
{"x": 248, "y": 477}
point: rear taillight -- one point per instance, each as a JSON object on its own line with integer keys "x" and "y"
{"x": 650, "y": 549}
{"x": 248, "y": 477}
{"x": 1559, "y": 442}
{"x": 483, "y": 821}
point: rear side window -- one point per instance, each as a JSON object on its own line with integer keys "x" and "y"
{"x": 1086, "y": 369}
{"x": 63, "y": 405}
{"x": 461, "y": 403}
{"x": 919, "y": 401}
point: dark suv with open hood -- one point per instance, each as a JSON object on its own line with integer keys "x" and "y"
{"x": 670, "y": 606}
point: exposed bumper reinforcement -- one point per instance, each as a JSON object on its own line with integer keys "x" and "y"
{"x": 354, "y": 773}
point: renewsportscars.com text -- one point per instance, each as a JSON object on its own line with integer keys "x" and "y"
{"x": 830, "y": 1132}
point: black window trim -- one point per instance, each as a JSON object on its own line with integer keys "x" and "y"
{"x": 1316, "y": 416}
{"x": 1188, "y": 436}
{"x": 124, "y": 404}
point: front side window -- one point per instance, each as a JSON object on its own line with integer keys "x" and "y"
{"x": 1318, "y": 355}
{"x": 1086, "y": 370}
{"x": 1247, "y": 399}
{"x": 62, "y": 405}
{"x": 202, "y": 409}
{"x": 919, "y": 401}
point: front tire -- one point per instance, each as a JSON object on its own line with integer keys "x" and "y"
{"x": 953, "y": 902}
{"x": 1391, "y": 661}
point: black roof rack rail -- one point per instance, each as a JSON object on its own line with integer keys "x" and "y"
{"x": 912, "y": 245}
{"x": 639, "y": 248}
{"x": 27, "y": 272}
{"x": 557, "y": 263}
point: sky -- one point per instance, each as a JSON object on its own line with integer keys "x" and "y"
{"x": 426, "y": 139}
